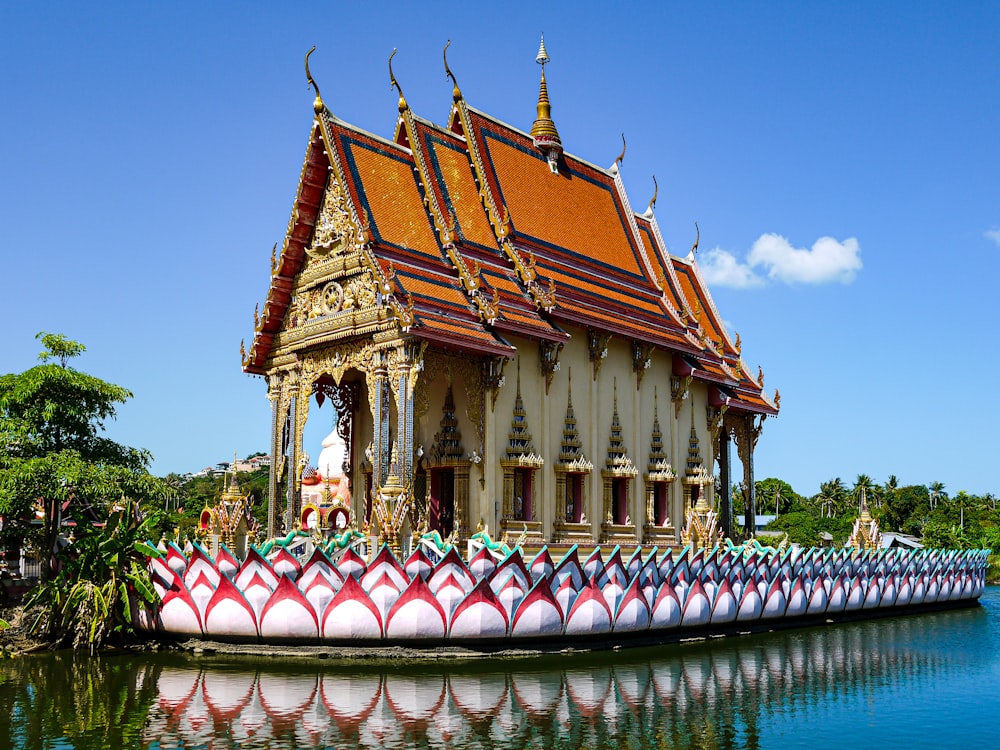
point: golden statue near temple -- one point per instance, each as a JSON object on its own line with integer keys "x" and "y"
{"x": 230, "y": 521}
{"x": 701, "y": 523}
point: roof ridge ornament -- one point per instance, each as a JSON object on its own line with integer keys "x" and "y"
{"x": 543, "y": 131}
{"x": 697, "y": 240}
{"x": 621, "y": 157}
{"x": 652, "y": 201}
{"x": 393, "y": 83}
{"x": 318, "y": 105}
{"x": 456, "y": 93}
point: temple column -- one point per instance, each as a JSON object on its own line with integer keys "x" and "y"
{"x": 279, "y": 418}
{"x": 725, "y": 499}
{"x": 291, "y": 463}
{"x": 409, "y": 360}
{"x": 378, "y": 404}
{"x": 746, "y": 434}
{"x": 303, "y": 393}
{"x": 716, "y": 424}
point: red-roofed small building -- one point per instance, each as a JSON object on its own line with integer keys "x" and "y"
{"x": 506, "y": 343}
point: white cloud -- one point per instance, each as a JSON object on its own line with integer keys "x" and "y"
{"x": 773, "y": 256}
{"x": 827, "y": 260}
{"x": 993, "y": 234}
{"x": 720, "y": 268}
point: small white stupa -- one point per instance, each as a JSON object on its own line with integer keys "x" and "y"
{"x": 330, "y": 463}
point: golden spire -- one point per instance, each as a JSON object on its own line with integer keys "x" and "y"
{"x": 543, "y": 131}
{"x": 318, "y": 105}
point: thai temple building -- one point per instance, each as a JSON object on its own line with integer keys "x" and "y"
{"x": 505, "y": 339}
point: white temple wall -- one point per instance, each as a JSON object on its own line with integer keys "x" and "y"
{"x": 593, "y": 402}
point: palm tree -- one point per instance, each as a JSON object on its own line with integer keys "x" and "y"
{"x": 831, "y": 497}
{"x": 937, "y": 493}
{"x": 865, "y": 487}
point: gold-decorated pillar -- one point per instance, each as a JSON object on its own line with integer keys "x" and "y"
{"x": 378, "y": 393}
{"x": 279, "y": 418}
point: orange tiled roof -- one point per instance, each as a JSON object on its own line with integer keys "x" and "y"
{"x": 699, "y": 299}
{"x": 475, "y": 210}
{"x": 456, "y": 187}
{"x": 660, "y": 258}
{"x": 447, "y": 174}
{"x": 382, "y": 184}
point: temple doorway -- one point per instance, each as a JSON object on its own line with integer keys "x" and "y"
{"x": 442, "y": 501}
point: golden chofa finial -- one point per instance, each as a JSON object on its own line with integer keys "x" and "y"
{"x": 656, "y": 192}
{"x": 318, "y": 105}
{"x": 456, "y": 94}
{"x": 697, "y": 240}
{"x": 395, "y": 84}
{"x": 621, "y": 156}
{"x": 543, "y": 131}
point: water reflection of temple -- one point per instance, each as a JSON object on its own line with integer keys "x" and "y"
{"x": 693, "y": 695}
{"x": 504, "y": 339}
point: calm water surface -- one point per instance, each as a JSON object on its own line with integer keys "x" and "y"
{"x": 922, "y": 681}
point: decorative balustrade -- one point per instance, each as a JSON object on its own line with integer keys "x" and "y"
{"x": 358, "y": 602}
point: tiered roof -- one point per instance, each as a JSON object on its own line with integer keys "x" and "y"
{"x": 474, "y": 236}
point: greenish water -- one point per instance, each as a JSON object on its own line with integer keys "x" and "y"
{"x": 921, "y": 681}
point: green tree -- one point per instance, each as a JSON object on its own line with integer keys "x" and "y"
{"x": 937, "y": 493}
{"x": 941, "y": 535}
{"x": 801, "y": 527}
{"x": 832, "y": 498}
{"x": 776, "y": 496}
{"x": 866, "y": 490}
{"x": 903, "y": 509}
{"x": 54, "y": 456}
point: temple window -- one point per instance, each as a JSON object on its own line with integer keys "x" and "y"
{"x": 574, "y": 498}
{"x": 522, "y": 495}
{"x": 617, "y": 473}
{"x": 519, "y": 467}
{"x": 572, "y": 471}
{"x": 661, "y": 513}
{"x": 619, "y": 501}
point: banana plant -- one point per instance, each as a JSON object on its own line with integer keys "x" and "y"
{"x": 90, "y": 601}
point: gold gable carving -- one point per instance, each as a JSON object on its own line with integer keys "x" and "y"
{"x": 358, "y": 292}
{"x": 336, "y": 232}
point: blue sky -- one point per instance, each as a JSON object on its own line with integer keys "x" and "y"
{"x": 150, "y": 153}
